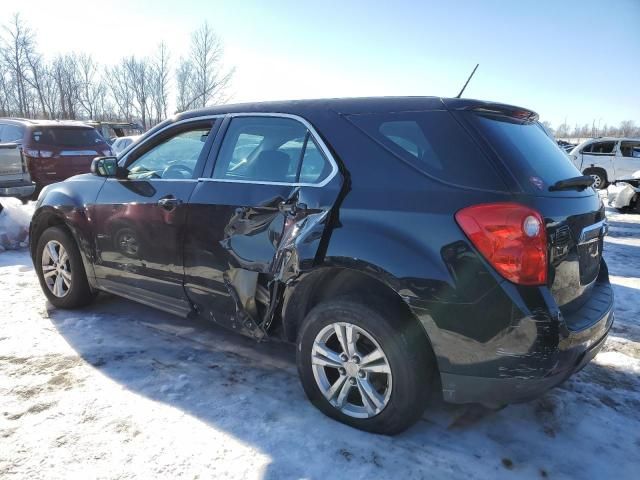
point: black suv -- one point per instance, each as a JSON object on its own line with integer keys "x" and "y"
{"x": 403, "y": 244}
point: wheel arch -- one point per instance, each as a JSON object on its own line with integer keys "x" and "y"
{"x": 74, "y": 221}
{"x": 600, "y": 171}
{"x": 328, "y": 282}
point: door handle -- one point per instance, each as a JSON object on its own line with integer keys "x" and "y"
{"x": 169, "y": 202}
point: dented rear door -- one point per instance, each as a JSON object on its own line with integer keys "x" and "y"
{"x": 257, "y": 218}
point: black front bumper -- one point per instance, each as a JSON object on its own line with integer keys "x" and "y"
{"x": 581, "y": 338}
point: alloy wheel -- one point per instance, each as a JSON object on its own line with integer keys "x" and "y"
{"x": 56, "y": 268}
{"x": 351, "y": 370}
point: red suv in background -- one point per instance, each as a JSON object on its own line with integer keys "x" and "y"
{"x": 56, "y": 150}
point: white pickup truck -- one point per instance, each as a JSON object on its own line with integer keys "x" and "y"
{"x": 607, "y": 159}
{"x": 14, "y": 176}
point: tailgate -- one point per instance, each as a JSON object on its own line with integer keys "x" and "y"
{"x": 575, "y": 231}
{"x": 12, "y": 167}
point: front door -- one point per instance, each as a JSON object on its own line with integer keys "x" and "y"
{"x": 258, "y": 219}
{"x": 600, "y": 155}
{"x": 140, "y": 218}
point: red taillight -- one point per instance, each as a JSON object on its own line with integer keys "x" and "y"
{"x": 34, "y": 153}
{"x": 511, "y": 237}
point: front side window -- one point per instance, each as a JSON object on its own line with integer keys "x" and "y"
{"x": 270, "y": 149}
{"x": 174, "y": 158}
{"x": 601, "y": 148}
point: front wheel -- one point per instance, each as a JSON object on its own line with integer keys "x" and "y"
{"x": 368, "y": 369}
{"x": 60, "y": 269}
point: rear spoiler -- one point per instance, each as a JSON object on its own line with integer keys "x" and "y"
{"x": 520, "y": 114}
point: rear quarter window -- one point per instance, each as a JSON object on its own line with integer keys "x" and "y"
{"x": 434, "y": 143}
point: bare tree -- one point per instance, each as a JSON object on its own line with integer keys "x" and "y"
{"x": 627, "y": 128}
{"x": 159, "y": 83}
{"x": 184, "y": 73}
{"x": 138, "y": 76}
{"x": 66, "y": 75}
{"x": 563, "y": 130}
{"x": 121, "y": 91}
{"x": 17, "y": 42}
{"x": 76, "y": 86}
{"x": 90, "y": 86}
{"x": 201, "y": 79}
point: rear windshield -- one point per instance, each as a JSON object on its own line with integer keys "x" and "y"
{"x": 434, "y": 143}
{"x": 533, "y": 157}
{"x": 67, "y": 137}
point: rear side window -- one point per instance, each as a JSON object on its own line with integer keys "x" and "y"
{"x": 526, "y": 149}
{"x": 11, "y": 133}
{"x": 630, "y": 149}
{"x": 66, "y": 137}
{"x": 434, "y": 143}
{"x": 270, "y": 149}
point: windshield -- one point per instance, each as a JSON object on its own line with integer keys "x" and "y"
{"x": 67, "y": 137}
{"x": 533, "y": 157}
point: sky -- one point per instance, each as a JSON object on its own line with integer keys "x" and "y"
{"x": 574, "y": 60}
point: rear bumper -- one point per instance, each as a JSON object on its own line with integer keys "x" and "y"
{"x": 500, "y": 391}
{"x": 20, "y": 190}
{"x": 573, "y": 350}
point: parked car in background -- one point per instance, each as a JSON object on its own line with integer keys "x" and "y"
{"x": 15, "y": 180}
{"x": 112, "y": 130}
{"x": 607, "y": 159}
{"x": 394, "y": 240}
{"x": 54, "y": 150}
{"x": 566, "y": 146}
{"x": 121, "y": 143}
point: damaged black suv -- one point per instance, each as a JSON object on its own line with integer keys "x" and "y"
{"x": 403, "y": 244}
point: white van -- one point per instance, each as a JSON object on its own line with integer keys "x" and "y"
{"x": 607, "y": 159}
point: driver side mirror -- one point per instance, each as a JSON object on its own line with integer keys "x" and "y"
{"x": 105, "y": 167}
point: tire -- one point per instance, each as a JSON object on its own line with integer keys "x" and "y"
{"x": 73, "y": 290}
{"x": 599, "y": 178}
{"x": 402, "y": 396}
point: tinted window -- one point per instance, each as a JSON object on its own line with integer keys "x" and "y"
{"x": 174, "y": 158}
{"x": 270, "y": 149}
{"x": 434, "y": 143}
{"x": 66, "y": 137}
{"x": 630, "y": 149}
{"x": 526, "y": 149}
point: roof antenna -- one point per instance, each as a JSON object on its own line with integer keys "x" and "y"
{"x": 467, "y": 82}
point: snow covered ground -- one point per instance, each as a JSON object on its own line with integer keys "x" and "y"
{"x": 119, "y": 390}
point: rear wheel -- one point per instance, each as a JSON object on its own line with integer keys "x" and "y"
{"x": 60, "y": 270}
{"x": 599, "y": 177}
{"x": 368, "y": 368}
